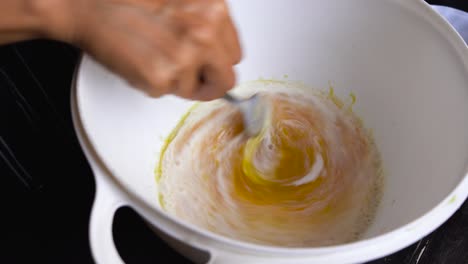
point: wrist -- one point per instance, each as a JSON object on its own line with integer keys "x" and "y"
{"x": 54, "y": 18}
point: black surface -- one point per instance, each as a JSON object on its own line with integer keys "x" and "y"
{"x": 47, "y": 188}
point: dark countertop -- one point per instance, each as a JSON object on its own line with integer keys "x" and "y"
{"x": 47, "y": 188}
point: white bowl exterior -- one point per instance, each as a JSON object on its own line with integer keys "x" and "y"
{"x": 407, "y": 69}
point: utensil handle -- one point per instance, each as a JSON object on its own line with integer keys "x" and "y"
{"x": 106, "y": 203}
{"x": 230, "y": 98}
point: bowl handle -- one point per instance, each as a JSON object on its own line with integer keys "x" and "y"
{"x": 106, "y": 203}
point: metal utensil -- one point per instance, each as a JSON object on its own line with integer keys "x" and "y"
{"x": 253, "y": 111}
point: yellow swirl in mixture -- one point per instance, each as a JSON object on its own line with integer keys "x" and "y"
{"x": 310, "y": 178}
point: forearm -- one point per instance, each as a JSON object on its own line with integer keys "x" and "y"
{"x": 18, "y": 21}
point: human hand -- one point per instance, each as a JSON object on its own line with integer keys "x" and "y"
{"x": 183, "y": 47}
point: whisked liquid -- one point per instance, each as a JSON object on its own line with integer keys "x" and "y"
{"x": 312, "y": 177}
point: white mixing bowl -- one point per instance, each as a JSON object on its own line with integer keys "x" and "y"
{"x": 408, "y": 69}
